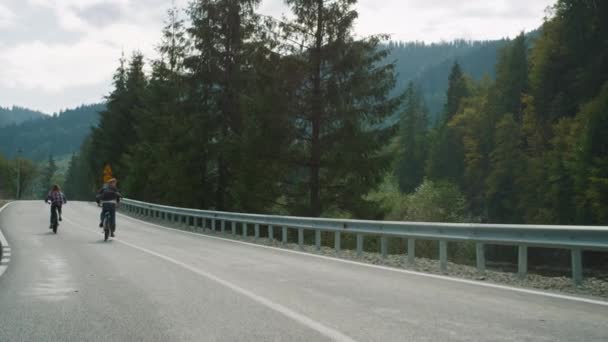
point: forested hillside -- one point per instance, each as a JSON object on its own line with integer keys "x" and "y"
{"x": 531, "y": 146}
{"x": 428, "y": 65}
{"x": 56, "y": 135}
{"x": 17, "y": 115}
{"x": 295, "y": 121}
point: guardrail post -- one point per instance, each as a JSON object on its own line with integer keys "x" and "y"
{"x": 411, "y": 251}
{"x": 256, "y": 231}
{"x": 359, "y": 245}
{"x": 301, "y": 238}
{"x": 337, "y": 242}
{"x": 443, "y": 255}
{"x": 577, "y": 266}
{"x": 223, "y": 227}
{"x": 233, "y": 227}
{"x": 244, "y": 225}
{"x": 383, "y": 247}
{"x": 480, "y": 256}
{"x": 271, "y": 233}
{"x": 213, "y": 225}
{"x": 284, "y": 233}
{"x": 318, "y": 240}
{"x": 522, "y": 261}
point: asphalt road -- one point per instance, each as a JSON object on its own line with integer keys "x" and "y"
{"x": 155, "y": 284}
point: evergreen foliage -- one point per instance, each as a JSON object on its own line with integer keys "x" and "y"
{"x": 242, "y": 112}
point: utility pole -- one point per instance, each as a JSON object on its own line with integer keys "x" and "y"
{"x": 18, "y": 174}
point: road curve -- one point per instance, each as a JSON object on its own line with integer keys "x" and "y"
{"x": 154, "y": 284}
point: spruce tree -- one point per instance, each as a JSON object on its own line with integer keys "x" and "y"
{"x": 340, "y": 114}
{"x": 412, "y": 141}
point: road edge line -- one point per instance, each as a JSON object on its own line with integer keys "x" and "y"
{"x": 4, "y": 247}
{"x": 391, "y": 269}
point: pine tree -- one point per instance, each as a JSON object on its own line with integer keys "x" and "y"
{"x": 446, "y": 154}
{"x": 164, "y": 140}
{"x": 506, "y": 166}
{"x": 412, "y": 141}
{"x": 457, "y": 90}
{"x": 343, "y": 101}
{"x": 221, "y": 31}
{"x": 511, "y": 78}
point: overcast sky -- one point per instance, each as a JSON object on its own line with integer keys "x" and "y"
{"x": 57, "y": 54}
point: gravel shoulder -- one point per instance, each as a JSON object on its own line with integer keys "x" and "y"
{"x": 592, "y": 287}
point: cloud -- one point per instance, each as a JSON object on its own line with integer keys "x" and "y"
{"x": 437, "y": 20}
{"x": 7, "y": 17}
{"x": 101, "y": 14}
{"x": 55, "y": 53}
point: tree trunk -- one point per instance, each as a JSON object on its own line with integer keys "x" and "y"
{"x": 315, "y": 200}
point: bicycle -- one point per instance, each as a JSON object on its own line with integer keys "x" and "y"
{"x": 54, "y": 221}
{"x": 108, "y": 228}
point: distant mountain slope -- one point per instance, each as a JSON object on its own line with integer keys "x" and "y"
{"x": 428, "y": 65}
{"x": 50, "y": 135}
{"x": 17, "y": 115}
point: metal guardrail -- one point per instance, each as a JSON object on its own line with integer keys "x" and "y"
{"x": 574, "y": 238}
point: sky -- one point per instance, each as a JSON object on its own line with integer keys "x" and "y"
{"x": 58, "y": 54}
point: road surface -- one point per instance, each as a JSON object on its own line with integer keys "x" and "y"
{"x": 155, "y": 284}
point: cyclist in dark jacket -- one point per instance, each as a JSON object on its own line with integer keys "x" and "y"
{"x": 57, "y": 199}
{"x": 109, "y": 197}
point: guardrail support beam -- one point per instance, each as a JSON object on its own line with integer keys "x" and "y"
{"x": 284, "y": 235}
{"x": 577, "y": 266}
{"x": 443, "y": 255}
{"x": 359, "y": 245}
{"x": 337, "y": 242}
{"x": 522, "y": 261}
{"x": 271, "y": 232}
{"x": 318, "y": 240}
{"x": 301, "y": 238}
{"x": 223, "y": 226}
{"x": 480, "y": 256}
{"x": 411, "y": 251}
{"x": 383, "y": 247}
{"x": 244, "y": 225}
{"x": 233, "y": 227}
{"x": 256, "y": 231}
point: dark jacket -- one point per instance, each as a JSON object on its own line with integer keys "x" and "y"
{"x": 56, "y": 198}
{"x": 108, "y": 194}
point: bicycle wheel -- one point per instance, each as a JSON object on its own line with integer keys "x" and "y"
{"x": 106, "y": 229}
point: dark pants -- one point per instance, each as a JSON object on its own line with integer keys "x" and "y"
{"x": 109, "y": 208}
{"x": 54, "y": 209}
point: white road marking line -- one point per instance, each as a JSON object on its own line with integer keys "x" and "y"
{"x": 386, "y": 268}
{"x": 6, "y": 250}
{"x": 331, "y": 333}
